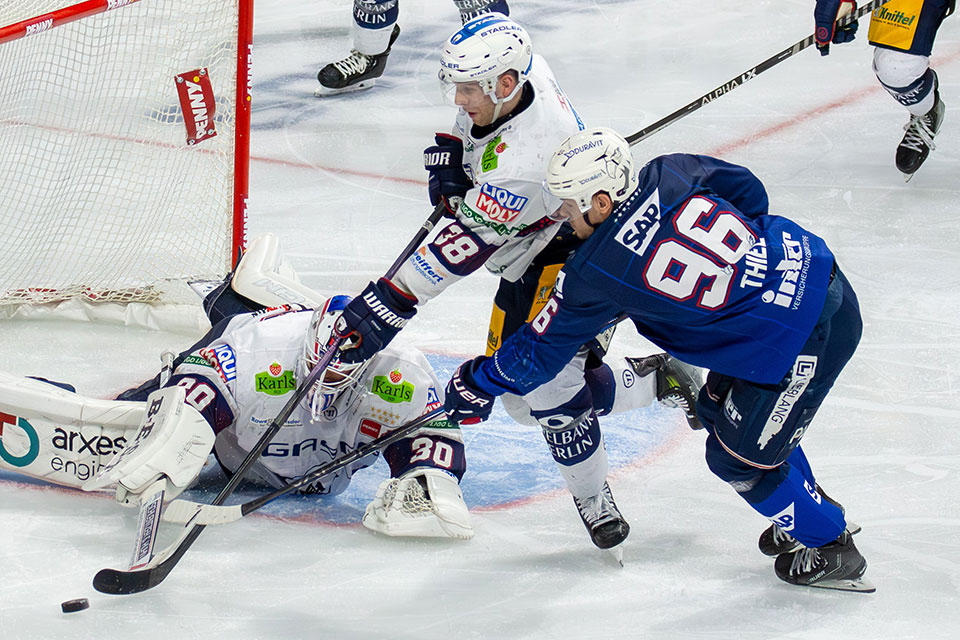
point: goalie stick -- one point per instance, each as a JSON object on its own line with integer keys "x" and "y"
{"x": 186, "y": 512}
{"x": 749, "y": 74}
{"x": 116, "y": 581}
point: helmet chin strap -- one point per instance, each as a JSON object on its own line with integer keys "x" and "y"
{"x": 499, "y": 102}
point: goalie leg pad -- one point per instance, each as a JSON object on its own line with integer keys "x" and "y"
{"x": 424, "y": 502}
{"x": 264, "y": 277}
{"x": 58, "y": 436}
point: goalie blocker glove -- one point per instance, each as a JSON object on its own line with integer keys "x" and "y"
{"x": 465, "y": 402}
{"x": 375, "y": 316}
{"x": 825, "y": 15}
{"x": 448, "y": 182}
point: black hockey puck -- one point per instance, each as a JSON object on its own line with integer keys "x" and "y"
{"x": 71, "y": 606}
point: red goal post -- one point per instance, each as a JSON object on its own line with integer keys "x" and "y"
{"x": 124, "y": 147}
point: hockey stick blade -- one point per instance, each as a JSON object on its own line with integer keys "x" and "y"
{"x": 749, "y": 74}
{"x": 186, "y": 512}
{"x": 118, "y": 582}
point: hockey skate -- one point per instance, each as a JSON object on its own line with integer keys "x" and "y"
{"x": 917, "y": 142}
{"x": 678, "y": 383}
{"x": 603, "y": 521}
{"x": 836, "y": 565}
{"x": 355, "y": 72}
{"x": 774, "y": 541}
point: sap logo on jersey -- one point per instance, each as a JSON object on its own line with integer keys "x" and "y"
{"x": 637, "y": 232}
{"x": 19, "y": 443}
{"x": 499, "y": 204}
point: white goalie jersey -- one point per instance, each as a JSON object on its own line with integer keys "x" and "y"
{"x": 502, "y": 222}
{"x": 241, "y": 381}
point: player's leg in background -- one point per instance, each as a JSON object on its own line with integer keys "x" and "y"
{"x": 470, "y": 9}
{"x": 374, "y": 30}
{"x": 903, "y": 32}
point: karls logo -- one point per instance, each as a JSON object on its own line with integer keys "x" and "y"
{"x": 38, "y": 27}
{"x": 198, "y": 104}
{"x": 793, "y": 273}
{"x": 19, "y": 444}
{"x": 499, "y": 204}
{"x": 394, "y": 393}
{"x": 275, "y": 381}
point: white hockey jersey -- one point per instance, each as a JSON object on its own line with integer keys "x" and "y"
{"x": 501, "y": 221}
{"x": 253, "y": 367}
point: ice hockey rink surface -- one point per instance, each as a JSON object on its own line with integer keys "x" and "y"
{"x": 340, "y": 181}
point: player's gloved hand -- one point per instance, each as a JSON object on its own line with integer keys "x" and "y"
{"x": 448, "y": 183}
{"x": 465, "y": 402}
{"x": 824, "y": 15}
{"x": 375, "y": 316}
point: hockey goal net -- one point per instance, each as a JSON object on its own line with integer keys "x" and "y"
{"x": 124, "y": 147}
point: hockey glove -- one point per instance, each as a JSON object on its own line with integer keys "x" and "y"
{"x": 375, "y": 316}
{"x": 826, "y": 13}
{"x": 465, "y": 402}
{"x": 448, "y": 183}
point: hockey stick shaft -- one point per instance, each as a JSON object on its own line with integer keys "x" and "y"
{"x": 749, "y": 74}
{"x": 184, "y": 511}
{"x": 154, "y": 572}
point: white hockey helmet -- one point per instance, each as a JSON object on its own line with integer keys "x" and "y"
{"x": 484, "y": 49}
{"x": 338, "y": 376}
{"x": 589, "y": 162}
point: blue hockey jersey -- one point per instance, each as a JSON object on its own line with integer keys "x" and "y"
{"x": 696, "y": 262}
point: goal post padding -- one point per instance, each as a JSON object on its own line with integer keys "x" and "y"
{"x": 124, "y": 146}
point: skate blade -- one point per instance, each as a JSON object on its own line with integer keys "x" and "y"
{"x": 325, "y": 92}
{"x": 617, "y": 554}
{"x": 907, "y": 177}
{"x": 860, "y": 585}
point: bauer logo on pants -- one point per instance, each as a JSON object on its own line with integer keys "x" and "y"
{"x": 198, "y": 104}
{"x": 19, "y": 444}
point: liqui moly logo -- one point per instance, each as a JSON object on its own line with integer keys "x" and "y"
{"x": 198, "y": 105}
{"x": 499, "y": 204}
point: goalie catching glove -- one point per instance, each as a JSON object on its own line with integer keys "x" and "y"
{"x": 424, "y": 502}
{"x": 173, "y": 443}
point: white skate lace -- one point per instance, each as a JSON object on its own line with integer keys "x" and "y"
{"x": 919, "y": 134}
{"x": 780, "y": 536}
{"x": 354, "y": 64}
{"x": 596, "y": 509}
{"x": 805, "y": 561}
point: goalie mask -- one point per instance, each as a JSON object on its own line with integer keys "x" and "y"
{"x": 338, "y": 376}
{"x": 483, "y": 50}
{"x": 588, "y": 162}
